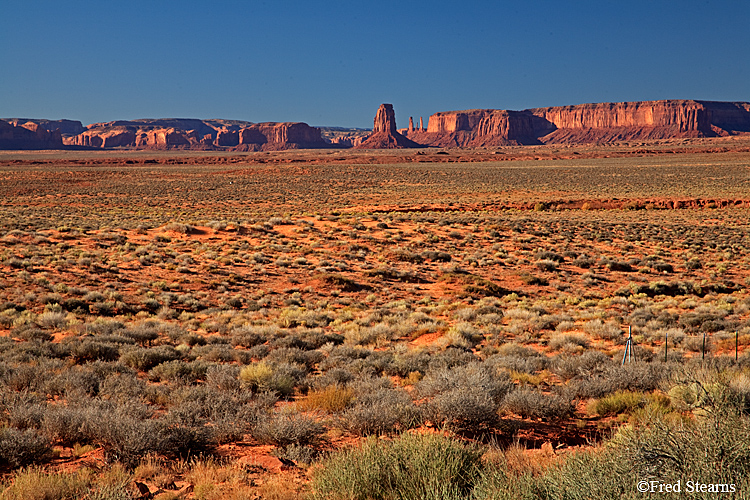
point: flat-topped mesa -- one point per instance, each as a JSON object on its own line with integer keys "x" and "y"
{"x": 28, "y": 135}
{"x": 384, "y": 133}
{"x": 586, "y": 123}
{"x": 277, "y": 136}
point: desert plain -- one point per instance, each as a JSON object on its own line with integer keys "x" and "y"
{"x": 366, "y": 324}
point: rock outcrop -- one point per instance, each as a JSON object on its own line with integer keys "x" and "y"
{"x": 585, "y": 123}
{"x": 384, "y": 134}
{"x": 199, "y": 134}
{"x": 28, "y": 135}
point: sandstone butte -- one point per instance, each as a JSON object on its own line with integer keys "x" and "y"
{"x": 585, "y": 123}
{"x": 384, "y": 134}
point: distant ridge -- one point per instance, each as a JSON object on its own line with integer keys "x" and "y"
{"x": 577, "y": 124}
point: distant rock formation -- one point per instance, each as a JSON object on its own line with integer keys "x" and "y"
{"x": 277, "y": 136}
{"x": 199, "y": 134}
{"x": 384, "y": 134}
{"x": 585, "y": 123}
{"x": 66, "y": 127}
{"x": 28, "y": 135}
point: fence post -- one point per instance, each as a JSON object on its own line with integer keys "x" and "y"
{"x": 666, "y": 343}
{"x": 703, "y": 349}
{"x": 736, "y": 345}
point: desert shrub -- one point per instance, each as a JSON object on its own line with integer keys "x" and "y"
{"x": 263, "y": 376}
{"x": 546, "y": 265}
{"x": 294, "y": 355}
{"x": 532, "y": 404}
{"x": 75, "y": 380}
{"x": 35, "y": 483}
{"x": 249, "y": 336}
{"x": 411, "y": 467}
{"x": 334, "y": 376}
{"x": 67, "y": 424}
{"x": 463, "y": 335}
{"x": 30, "y": 332}
{"x": 19, "y": 448}
{"x": 179, "y": 371}
{"x": 102, "y": 327}
{"x": 607, "y": 379}
{"x": 568, "y": 342}
{"x": 697, "y": 343}
{"x": 24, "y": 377}
{"x": 585, "y": 365}
{"x": 144, "y": 333}
{"x": 604, "y": 331}
{"x": 143, "y": 359}
{"x": 547, "y": 255}
{"x": 223, "y": 378}
{"x": 449, "y": 358}
{"x": 87, "y": 350}
{"x": 408, "y": 362}
{"x": 463, "y": 408}
{"x": 619, "y": 402}
{"x": 618, "y": 266}
{"x": 472, "y": 376}
{"x": 123, "y": 387}
{"x": 529, "y": 364}
{"x": 127, "y": 438}
{"x": 584, "y": 261}
{"x": 216, "y": 417}
{"x": 331, "y": 399}
{"x": 283, "y": 429}
{"x": 52, "y": 319}
{"x": 436, "y": 256}
{"x": 380, "y": 411}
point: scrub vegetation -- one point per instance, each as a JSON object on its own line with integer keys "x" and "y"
{"x": 374, "y": 325}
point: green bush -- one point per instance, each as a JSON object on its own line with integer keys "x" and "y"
{"x": 411, "y": 467}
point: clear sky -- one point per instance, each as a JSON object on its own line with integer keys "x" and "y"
{"x": 333, "y": 62}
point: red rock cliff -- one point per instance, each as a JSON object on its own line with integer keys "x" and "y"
{"x": 477, "y": 128}
{"x": 583, "y": 123}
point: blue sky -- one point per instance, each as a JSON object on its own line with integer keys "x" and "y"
{"x": 334, "y": 62}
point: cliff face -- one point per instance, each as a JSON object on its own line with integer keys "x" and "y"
{"x": 603, "y": 122}
{"x": 477, "y": 128}
{"x": 729, "y": 117}
{"x": 29, "y": 135}
{"x": 198, "y": 134}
